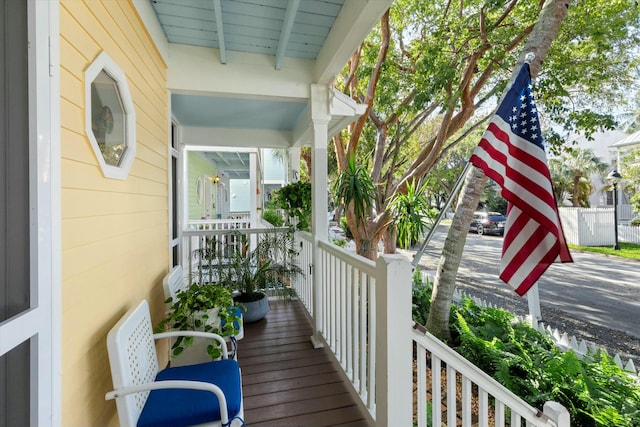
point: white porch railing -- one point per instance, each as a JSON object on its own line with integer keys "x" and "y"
{"x": 364, "y": 317}
{"x": 219, "y": 224}
{"x": 222, "y": 243}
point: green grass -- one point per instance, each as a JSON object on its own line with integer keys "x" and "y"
{"x": 627, "y": 250}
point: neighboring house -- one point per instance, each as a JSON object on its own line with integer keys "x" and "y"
{"x": 92, "y": 156}
{"x": 600, "y": 145}
{"x": 626, "y": 143}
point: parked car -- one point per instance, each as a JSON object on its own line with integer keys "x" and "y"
{"x": 488, "y": 223}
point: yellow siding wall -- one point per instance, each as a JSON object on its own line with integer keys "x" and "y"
{"x": 115, "y": 245}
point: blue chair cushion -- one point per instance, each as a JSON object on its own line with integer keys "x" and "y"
{"x": 182, "y": 407}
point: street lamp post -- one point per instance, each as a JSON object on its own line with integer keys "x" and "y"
{"x": 613, "y": 177}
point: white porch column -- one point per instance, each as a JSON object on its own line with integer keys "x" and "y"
{"x": 393, "y": 346}
{"x": 320, "y": 117}
{"x": 253, "y": 179}
{"x": 293, "y": 173}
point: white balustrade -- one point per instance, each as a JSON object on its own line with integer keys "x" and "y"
{"x": 366, "y": 323}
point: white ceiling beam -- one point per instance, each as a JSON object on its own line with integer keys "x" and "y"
{"x": 241, "y": 138}
{"x": 194, "y": 69}
{"x": 217, "y": 8}
{"x": 285, "y": 33}
{"x": 221, "y": 157}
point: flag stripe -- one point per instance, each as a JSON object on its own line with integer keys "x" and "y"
{"x": 511, "y": 153}
{"x": 518, "y": 177}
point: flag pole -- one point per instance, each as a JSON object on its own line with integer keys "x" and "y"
{"x": 533, "y": 300}
{"x": 436, "y": 222}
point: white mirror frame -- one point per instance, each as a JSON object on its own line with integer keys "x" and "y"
{"x": 104, "y": 62}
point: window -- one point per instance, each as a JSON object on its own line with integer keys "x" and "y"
{"x": 110, "y": 117}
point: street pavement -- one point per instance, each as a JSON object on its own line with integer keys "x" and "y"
{"x": 597, "y": 290}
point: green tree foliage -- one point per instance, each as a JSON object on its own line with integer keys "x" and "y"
{"x": 449, "y": 166}
{"x": 630, "y": 170}
{"x": 443, "y": 63}
{"x": 492, "y": 200}
{"x": 566, "y": 80}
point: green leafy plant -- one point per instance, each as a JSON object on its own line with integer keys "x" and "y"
{"x": 339, "y": 242}
{"x": 593, "y": 388}
{"x": 204, "y": 307}
{"x": 345, "y": 227}
{"x": 355, "y": 186}
{"x": 273, "y": 217}
{"x": 411, "y": 214}
{"x": 295, "y": 199}
{"x": 270, "y": 266}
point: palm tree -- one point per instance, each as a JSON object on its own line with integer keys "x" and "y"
{"x": 577, "y": 165}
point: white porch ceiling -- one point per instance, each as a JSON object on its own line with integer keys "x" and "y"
{"x": 280, "y": 28}
{"x": 233, "y": 164}
{"x": 240, "y": 71}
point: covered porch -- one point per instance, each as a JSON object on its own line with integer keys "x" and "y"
{"x": 235, "y": 80}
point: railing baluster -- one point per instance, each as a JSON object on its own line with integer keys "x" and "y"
{"x": 373, "y": 340}
{"x": 357, "y": 348}
{"x": 349, "y": 330}
{"x": 343, "y": 315}
{"x": 421, "y": 398}
{"x": 436, "y": 390}
{"x": 466, "y": 401}
{"x": 483, "y": 403}
{"x": 499, "y": 413}
{"x": 362, "y": 312}
{"x": 452, "y": 382}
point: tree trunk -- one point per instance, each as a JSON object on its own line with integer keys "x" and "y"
{"x": 445, "y": 281}
{"x": 545, "y": 30}
{"x": 390, "y": 237}
{"x": 576, "y": 191}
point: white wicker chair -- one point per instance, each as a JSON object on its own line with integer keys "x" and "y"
{"x": 206, "y": 394}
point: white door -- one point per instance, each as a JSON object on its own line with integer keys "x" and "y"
{"x": 29, "y": 215}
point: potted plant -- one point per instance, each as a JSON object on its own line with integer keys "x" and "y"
{"x": 267, "y": 268}
{"x": 295, "y": 199}
{"x": 206, "y": 307}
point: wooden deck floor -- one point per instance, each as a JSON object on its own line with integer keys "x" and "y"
{"x": 285, "y": 381}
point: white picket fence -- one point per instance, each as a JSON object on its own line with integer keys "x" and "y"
{"x": 594, "y": 227}
{"x": 562, "y": 340}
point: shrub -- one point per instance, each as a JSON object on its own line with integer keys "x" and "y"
{"x": 339, "y": 242}
{"x": 345, "y": 227}
{"x": 594, "y": 389}
{"x": 273, "y": 217}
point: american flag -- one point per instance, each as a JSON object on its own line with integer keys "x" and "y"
{"x": 511, "y": 153}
